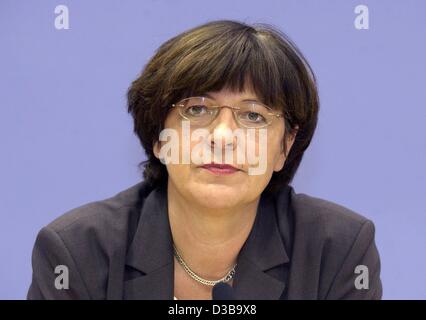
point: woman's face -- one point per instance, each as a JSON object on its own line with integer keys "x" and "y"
{"x": 215, "y": 188}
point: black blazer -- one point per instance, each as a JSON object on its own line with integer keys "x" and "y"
{"x": 300, "y": 247}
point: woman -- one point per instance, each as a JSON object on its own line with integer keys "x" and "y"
{"x": 203, "y": 215}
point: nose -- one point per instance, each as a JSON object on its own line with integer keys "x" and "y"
{"x": 225, "y": 119}
{"x": 222, "y": 128}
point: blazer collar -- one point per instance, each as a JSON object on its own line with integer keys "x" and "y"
{"x": 151, "y": 252}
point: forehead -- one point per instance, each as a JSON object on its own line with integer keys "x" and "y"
{"x": 226, "y": 93}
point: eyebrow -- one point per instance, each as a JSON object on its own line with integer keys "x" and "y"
{"x": 244, "y": 100}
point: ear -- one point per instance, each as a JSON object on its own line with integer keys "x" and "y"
{"x": 156, "y": 149}
{"x": 279, "y": 164}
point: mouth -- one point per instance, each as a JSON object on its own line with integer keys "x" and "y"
{"x": 220, "y": 169}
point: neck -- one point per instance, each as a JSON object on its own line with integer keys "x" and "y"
{"x": 208, "y": 239}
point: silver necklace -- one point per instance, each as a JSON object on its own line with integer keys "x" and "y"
{"x": 199, "y": 279}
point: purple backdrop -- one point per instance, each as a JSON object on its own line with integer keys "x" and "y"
{"x": 66, "y": 138}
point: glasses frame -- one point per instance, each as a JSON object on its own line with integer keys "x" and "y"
{"x": 234, "y": 109}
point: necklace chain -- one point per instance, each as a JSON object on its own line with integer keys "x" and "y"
{"x": 199, "y": 279}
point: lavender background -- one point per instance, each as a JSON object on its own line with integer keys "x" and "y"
{"x": 66, "y": 138}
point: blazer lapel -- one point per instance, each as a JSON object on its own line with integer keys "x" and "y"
{"x": 256, "y": 274}
{"x": 150, "y": 255}
{"x": 157, "y": 285}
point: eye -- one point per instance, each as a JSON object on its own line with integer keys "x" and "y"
{"x": 196, "y": 110}
{"x": 253, "y": 117}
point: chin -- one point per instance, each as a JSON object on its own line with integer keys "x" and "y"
{"x": 217, "y": 195}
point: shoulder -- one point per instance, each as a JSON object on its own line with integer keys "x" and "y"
{"x": 328, "y": 243}
{"x": 90, "y": 240}
{"x": 102, "y": 215}
{"x": 331, "y": 242}
{"x": 330, "y": 219}
{"x": 100, "y": 227}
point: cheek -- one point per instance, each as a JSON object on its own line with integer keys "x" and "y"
{"x": 176, "y": 171}
{"x": 269, "y": 151}
{"x": 273, "y": 148}
{"x": 275, "y": 152}
{"x": 276, "y": 139}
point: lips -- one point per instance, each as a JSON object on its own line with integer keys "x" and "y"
{"x": 220, "y": 169}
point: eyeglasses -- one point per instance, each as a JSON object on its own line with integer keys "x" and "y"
{"x": 202, "y": 111}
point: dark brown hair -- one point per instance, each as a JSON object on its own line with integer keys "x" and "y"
{"x": 226, "y": 54}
